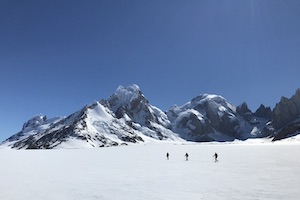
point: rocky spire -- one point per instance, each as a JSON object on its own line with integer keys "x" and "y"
{"x": 286, "y": 110}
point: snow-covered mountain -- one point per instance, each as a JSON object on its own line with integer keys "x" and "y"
{"x": 92, "y": 126}
{"x": 212, "y": 118}
{"x": 286, "y": 117}
{"x": 129, "y": 104}
{"x": 128, "y": 117}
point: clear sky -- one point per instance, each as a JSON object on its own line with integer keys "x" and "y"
{"x": 58, "y": 55}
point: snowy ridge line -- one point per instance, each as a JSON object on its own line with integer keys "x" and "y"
{"x": 127, "y": 117}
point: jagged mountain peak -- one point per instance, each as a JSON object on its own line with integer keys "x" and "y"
{"x": 127, "y": 97}
{"x": 128, "y": 93}
{"x": 286, "y": 116}
{"x": 35, "y": 121}
{"x": 129, "y": 104}
{"x": 286, "y": 110}
{"x": 244, "y": 105}
{"x": 243, "y": 109}
{"x": 297, "y": 92}
{"x": 263, "y": 111}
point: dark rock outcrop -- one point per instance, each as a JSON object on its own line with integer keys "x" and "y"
{"x": 286, "y": 110}
{"x": 264, "y": 112}
{"x": 288, "y": 131}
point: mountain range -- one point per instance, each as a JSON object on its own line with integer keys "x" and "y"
{"x": 128, "y": 117}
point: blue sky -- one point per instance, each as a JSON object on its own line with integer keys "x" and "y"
{"x": 58, "y": 55}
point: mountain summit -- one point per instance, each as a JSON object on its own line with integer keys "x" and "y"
{"x": 128, "y": 117}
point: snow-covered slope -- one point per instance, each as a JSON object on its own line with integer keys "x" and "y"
{"x": 142, "y": 172}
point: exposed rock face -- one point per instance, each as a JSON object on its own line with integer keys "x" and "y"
{"x": 286, "y": 110}
{"x": 244, "y": 111}
{"x": 288, "y": 131}
{"x": 264, "y": 112}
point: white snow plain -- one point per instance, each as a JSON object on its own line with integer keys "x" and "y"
{"x": 244, "y": 171}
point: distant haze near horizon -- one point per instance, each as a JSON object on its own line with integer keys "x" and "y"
{"x": 57, "y": 56}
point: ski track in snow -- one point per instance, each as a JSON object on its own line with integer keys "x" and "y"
{"x": 135, "y": 172}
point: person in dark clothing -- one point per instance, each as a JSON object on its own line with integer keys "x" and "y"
{"x": 186, "y": 156}
{"x": 216, "y": 157}
{"x": 168, "y": 156}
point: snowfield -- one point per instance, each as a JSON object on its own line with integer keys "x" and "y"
{"x": 135, "y": 172}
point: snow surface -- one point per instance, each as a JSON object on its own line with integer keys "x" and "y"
{"x": 266, "y": 171}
